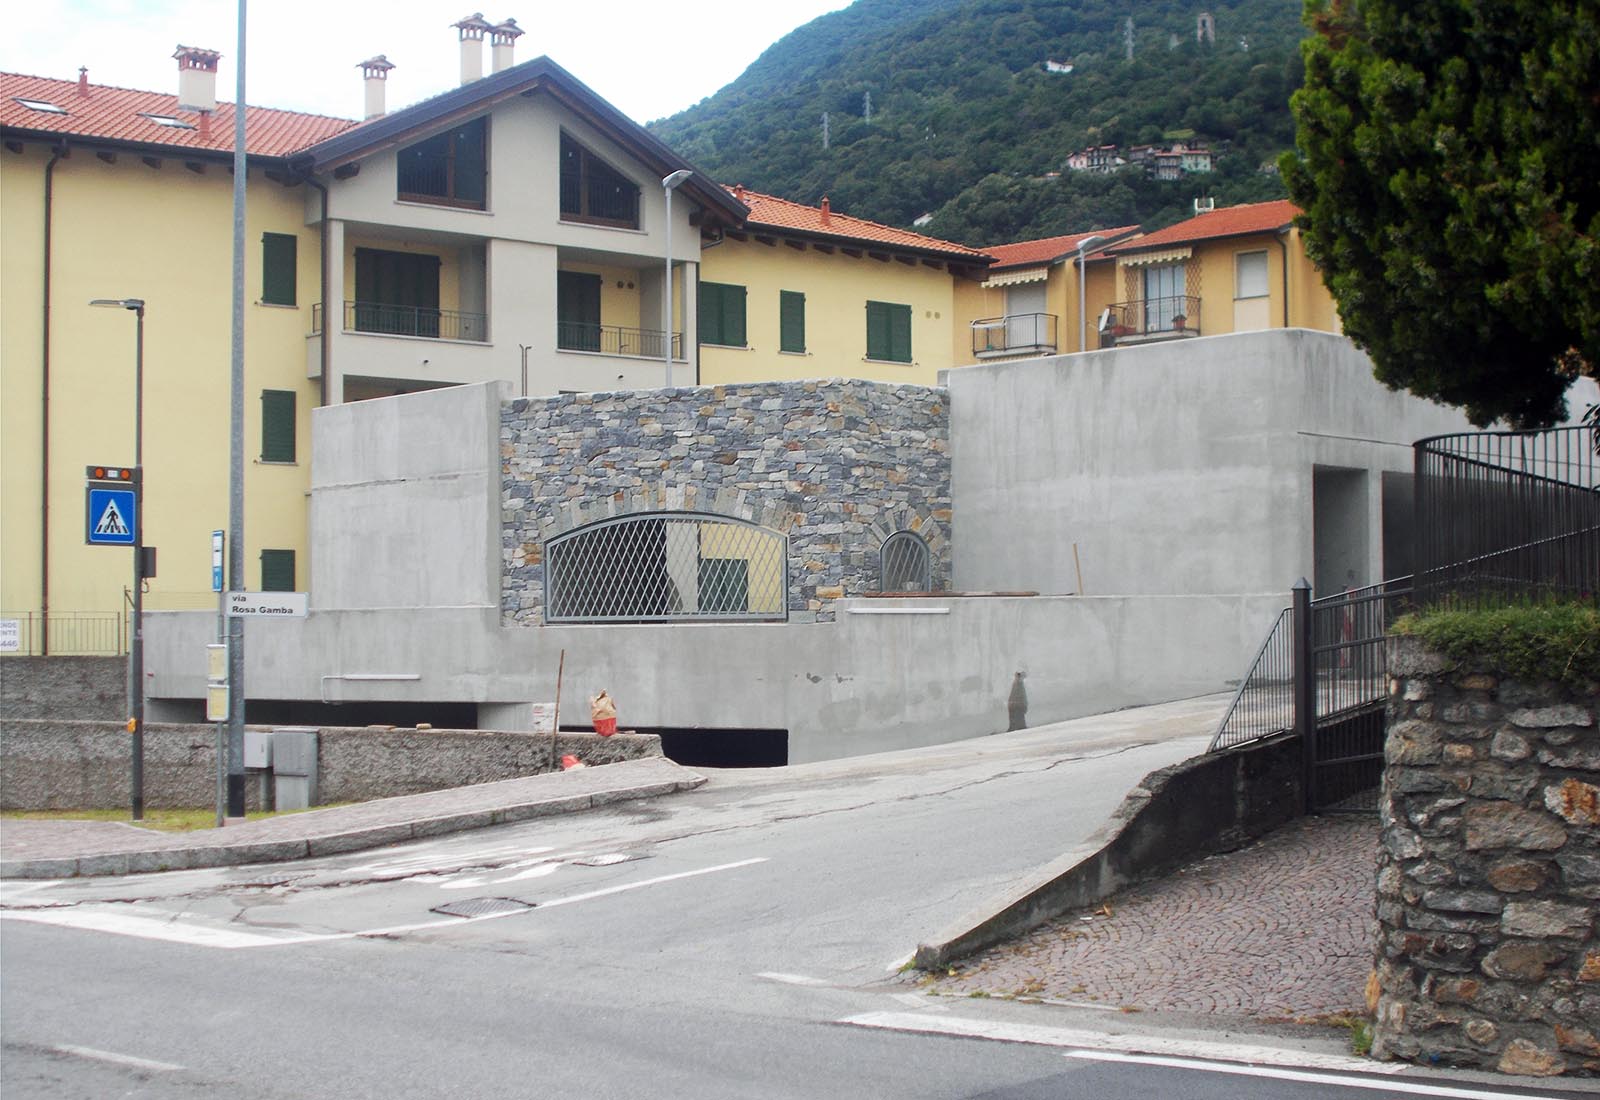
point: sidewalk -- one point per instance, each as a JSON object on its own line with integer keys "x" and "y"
{"x": 64, "y": 849}
{"x": 1282, "y": 929}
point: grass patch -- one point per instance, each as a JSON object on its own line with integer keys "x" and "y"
{"x": 1535, "y": 642}
{"x": 165, "y": 821}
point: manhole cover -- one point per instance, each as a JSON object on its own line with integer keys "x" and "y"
{"x": 481, "y": 907}
{"x": 607, "y": 860}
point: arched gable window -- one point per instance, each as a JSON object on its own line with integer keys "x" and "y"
{"x": 666, "y": 567}
{"x": 905, "y": 565}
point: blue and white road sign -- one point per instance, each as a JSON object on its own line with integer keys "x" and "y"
{"x": 113, "y": 516}
{"x": 217, "y": 538}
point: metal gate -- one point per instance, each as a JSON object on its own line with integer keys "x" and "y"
{"x": 1345, "y": 653}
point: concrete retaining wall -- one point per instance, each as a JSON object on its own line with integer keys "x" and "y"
{"x": 76, "y": 688}
{"x": 54, "y": 765}
{"x": 1489, "y": 873}
{"x": 1212, "y": 803}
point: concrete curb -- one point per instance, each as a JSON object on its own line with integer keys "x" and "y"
{"x": 336, "y": 842}
{"x": 1211, "y": 803}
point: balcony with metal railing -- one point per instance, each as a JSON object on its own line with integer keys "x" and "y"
{"x": 639, "y": 343}
{"x": 379, "y": 318}
{"x": 1148, "y": 320}
{"x": 1014, "y": 334}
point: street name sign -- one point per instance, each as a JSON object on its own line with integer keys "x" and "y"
{"x": 267, "y": 605}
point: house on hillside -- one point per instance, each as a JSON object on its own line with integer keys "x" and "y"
{"x": 800, "y": 291}
{"x": 1028, "y": 302}
{"x": 1232, "y": 269}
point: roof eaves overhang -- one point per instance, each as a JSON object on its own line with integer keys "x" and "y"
{"x": 1098, "y": 252}
{"x": 142, "y": 148}
{"x": 867, "y": 244}
{"x": 539, "y": 75}
{"x": 1191, "y": 242}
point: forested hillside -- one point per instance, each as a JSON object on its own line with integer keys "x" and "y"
{"x": 946, "y": 107}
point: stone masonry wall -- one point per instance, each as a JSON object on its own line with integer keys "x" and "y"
{"x": 65, "y": 765}
{"x": 1489, "y": 873}
{"x": 837, "y": 466}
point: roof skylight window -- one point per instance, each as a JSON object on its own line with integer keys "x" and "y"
{"x": 41, "y": 105}
{"x": 167, "y": 120}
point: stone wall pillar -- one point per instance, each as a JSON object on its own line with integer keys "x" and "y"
{"x": 1489, "y": 873}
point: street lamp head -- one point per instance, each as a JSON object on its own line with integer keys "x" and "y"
{"x": 119, "y": 303}
{"x": 1089, "y": 241}
{"x": 671, "y": 182}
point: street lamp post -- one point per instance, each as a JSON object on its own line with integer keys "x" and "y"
{"x": 1083, "y": 319}
{"x": 669, "y": 184}
{"x": 136, "y": 650}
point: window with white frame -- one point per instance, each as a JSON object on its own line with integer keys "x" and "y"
{"x": 1250, "y": 274}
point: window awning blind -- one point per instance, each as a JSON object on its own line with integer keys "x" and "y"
{"x": 1015, "y": 278}
{"x": 1164, "y": 256}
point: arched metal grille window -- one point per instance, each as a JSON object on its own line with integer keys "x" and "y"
{"x": 665, "y": 567}
{"x": 905, "y": 564}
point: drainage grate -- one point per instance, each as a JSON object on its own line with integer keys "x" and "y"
{"x": 607, "y": 860}
{"x": 482, "y": 907}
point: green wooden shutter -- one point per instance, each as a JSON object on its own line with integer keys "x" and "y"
{"x": 791, "y": 320}
{"x": 277, "y": 571}
{"x": 710, "y": 326}
{"x": 722, "y": 314}
{"x": 877, "y": 330}
{"x": 278, "y": 269}
{"x": 277, "y": 426}
{"x": 733, "y": 316}
{"x": 889, "y": 332}
{"x": 900, "y": 334}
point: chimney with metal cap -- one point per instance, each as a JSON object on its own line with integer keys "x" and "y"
{"x": 503, "y": 43}
{"x": 472, "y": 30}
{"x": 197, "y": 78}
{"x": 376, "y": 72}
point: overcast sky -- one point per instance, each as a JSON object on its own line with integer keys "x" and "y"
{"x": 650, "y": 59}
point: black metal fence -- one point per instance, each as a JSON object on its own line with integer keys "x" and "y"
{"x": 1503, "y": 516}
{"x": 647, "y": 343}
{"x": 64, "y": 633}
{"x": 1321, "y": 671}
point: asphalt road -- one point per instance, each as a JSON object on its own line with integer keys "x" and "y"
{"x": 742, "y": 940}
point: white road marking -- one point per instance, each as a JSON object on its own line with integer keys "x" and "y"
{"x": 115, "y": 1058}
{"x": 122, "y": 923}
{"x": 435, "y": 857}
{"x": 789, "y": 979}
{"x": 1099, "y": 1040}
{"x": 1412, "y": 1088}
{"x": 920, "y": 1001}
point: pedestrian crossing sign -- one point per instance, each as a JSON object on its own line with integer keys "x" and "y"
{"x": 113, "y": 516}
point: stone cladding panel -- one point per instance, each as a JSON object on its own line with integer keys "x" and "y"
{"x": 1488, "y": 871}
{"x": 837, "y": 466}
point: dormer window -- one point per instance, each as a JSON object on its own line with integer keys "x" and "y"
{"x": 448, "y": 169}
{"x": 167, "y": 120}
{"x": 40, "y": 105}
{"x": 594, "y": 192}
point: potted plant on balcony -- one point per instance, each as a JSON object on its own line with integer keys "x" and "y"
{"x": 1178, "y": 322}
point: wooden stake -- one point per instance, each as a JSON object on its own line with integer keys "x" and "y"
{"x": 555, "y": 722}
{"x": 1077, "y": 568}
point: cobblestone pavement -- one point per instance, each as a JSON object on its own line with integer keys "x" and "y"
{"x": 1281, "y": 929}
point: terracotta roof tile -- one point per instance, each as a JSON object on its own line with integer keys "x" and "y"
{"x": 117, "y": 114}
{"x": 769, "y": 210}
{"x": 1230, "y": 221}
{"x": 1049, "y": 249}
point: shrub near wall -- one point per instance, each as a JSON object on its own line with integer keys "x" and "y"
{"x": 1489, "y": 874}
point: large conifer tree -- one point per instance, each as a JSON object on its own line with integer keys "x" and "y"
{"x": 1449, "y": 170}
